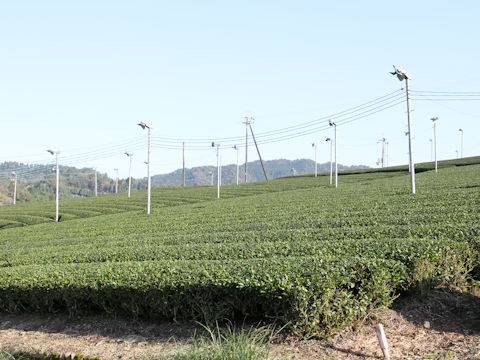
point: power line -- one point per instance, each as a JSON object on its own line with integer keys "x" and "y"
{"x": 446, "y": 92}
{"x": 343, "y": 117}
{"x": 448, "y": 99}
{"x": 310, "y": 127}
{"x": 395, "y": 95}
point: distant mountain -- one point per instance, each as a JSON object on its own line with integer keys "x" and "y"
{"x": 202, "y": 175}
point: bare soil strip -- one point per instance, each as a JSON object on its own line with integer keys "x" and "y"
{"x": 446, "y": 324}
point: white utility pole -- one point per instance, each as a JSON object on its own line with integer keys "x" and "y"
{"x": 130, "y": 155}
{"x": 219, "y": 169}
{"x": 144, "y": 125}
{"x": 236, "y": 148}
{"x": 384, "y": 142}
{"x": 96, "y": 193}
{"x": 183, "y": 164}
{"x": 56, "y": 153}
{"x": 246, "y": 122}
{"x": 431, "y": 149}
{"x": 386, "y": 153}
{"x": 331, "y": 163}
{"x": 116, "y": 181}
{"x": 434, "y": 119}
{"x": 14, "y": 187}
{"x": 314, "y": 145}
{"x": 409, "y": 170}
{"x": 402, "y": 75}
{"x": 211, "y": 175}
{"x": 334, "y": 124}
{"x": 461, "y": 144}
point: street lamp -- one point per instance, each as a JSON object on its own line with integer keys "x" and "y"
{"x": 219, "y": 171}
{"x": 314, "y": 145}
{"x": 334, "y": 124}
{"x": 56, "y": 153}
{"x": 461, "y": 143}
{"x": 130, "y": 155}
{"x": 144, "y": 125}
{"x": 331, "y": 164}
{"x": 402, "y": 75}
{"x": 14, "y": 187}
{"x": 236, "y": 148}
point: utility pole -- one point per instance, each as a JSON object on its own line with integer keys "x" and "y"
{"x": 431, "y": 149}
{"x": 314, "y": 145}
{"x": 144, "y": 126}
{"x": 56, "y": 153}
{"x": 383, "y": 140}
{"x": 409, "y": 169}
{"x": 219, "y": 169}
{"x": 183, "y": 164}
{"x": 236, "y": 148}
{"x": 116, "y": 181}
{"x": 402, "y": 75}
{"x": 383, "y": 152}
{"x": 334, "y": 124}
{"x": 331, "y": 163}
{"x": 386, "y": 154}
{"x": 410, "y": 137}
{"x": 96, "y": 193}
{"x": 461, "y": 144}
{"x": 434, "y": 119}
{"x": 211, "y": 174}
{"x": 258, "y": 151}
{"x": 14, "y": 187}
{"x": 246, "y": 122}
{"x": 130, "y": 155}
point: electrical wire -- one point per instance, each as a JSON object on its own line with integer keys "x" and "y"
{"x": 448, "y": 99}
{"x": 460, "y": 93}
{"x": 367, "y": 104}
{"x": 301, "y": 130}
{"x": 343, "y": 117}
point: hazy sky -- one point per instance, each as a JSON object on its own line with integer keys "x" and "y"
{"x": 78, "y": 76}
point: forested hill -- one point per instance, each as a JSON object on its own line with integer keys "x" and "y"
{"x": 202, "y": 175}
{"x": 37, "y": 182}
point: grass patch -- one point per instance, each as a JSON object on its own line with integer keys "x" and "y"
{"x": 228, "y": 343}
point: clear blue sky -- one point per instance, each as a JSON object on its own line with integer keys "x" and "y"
{"x": 78, "y": 76}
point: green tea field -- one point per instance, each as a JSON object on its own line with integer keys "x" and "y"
{"x": 294, "y": 250}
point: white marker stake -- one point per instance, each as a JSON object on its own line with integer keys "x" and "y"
{"x": 382, "y": 339}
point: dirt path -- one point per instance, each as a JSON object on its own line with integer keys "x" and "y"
{"x": 444, "y": 324}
